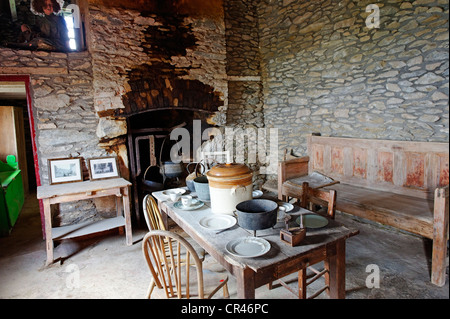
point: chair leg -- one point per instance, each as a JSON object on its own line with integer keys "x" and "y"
{"x": 326, "y": 265}
{"x": 150, "y": 288}
{"x": 302, "y": 284}
{"x": 224, "y": 286}
{"x": 226, "y": 293}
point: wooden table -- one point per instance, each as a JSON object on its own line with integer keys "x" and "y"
{"x": 324, "y": 243}
{"x": 55, "y": 194}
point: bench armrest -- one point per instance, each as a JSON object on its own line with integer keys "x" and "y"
{"x": 441, "y": 204}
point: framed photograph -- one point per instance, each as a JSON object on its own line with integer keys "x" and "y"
{"x": 64, "y": 170}
{"x": 103, "y": 167}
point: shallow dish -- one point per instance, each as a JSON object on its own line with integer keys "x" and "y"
{"x": 195, "y": 205}
{"x": 217, "y": 222}
{"x": 313, "y": 221}
{"x": 288, "y": 206}
{"x": 248, "y": 247}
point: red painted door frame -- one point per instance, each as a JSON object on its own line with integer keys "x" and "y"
{"x": 27, "y": 80}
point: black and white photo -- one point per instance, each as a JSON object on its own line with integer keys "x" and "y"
{"x": 64, "y": 170}
{"x": 103, "y": 167}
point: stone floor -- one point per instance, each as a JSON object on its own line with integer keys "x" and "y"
{"x": 104, "y": 267}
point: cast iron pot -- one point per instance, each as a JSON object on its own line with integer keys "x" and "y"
{"x": 154, "y": 185}
{"x": 171, "y": 169}
{"x": 256, "y": 214}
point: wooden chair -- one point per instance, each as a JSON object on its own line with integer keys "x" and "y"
{"x": 154, "y": 219}
{"x": 293, "y": 172}
{"x": 310, "y": 199}
{"x": 174, "y": 276}
{"x": 152, "y": 214}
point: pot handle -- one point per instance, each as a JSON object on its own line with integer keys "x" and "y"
{"x": 187, "y": 168}
{"x": 202, "y": 167}
{"x": 235, "y": 188}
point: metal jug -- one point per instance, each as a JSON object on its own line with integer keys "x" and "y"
{"x": 194, "y": 174}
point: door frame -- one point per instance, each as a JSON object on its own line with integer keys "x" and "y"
{"x": 27, "y": 80}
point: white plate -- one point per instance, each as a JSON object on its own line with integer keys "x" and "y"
{"x": 257, "y": 194}
{"x": 218, "y": 222}
{"x": 313, "y": 221}
{"x": 288, "y": 206}
{"x": 195, "y": 205}
{"x": 248, "y": 247}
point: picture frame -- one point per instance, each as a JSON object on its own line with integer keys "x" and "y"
{"x": 64, "y": 170}
{"x": 103, "y": 168}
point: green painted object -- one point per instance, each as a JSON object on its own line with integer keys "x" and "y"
{"x": 11, "y": 195}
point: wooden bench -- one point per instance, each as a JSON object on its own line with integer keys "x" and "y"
{"x": 397, "y": 183}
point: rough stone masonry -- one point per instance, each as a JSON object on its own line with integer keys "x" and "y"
{"x": 299, "y": 66}
{"x": 325, "y": 71}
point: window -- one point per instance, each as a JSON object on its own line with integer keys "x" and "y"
{"x": 68, "y": 17}
{"x": 41, "y": 25}
{"x": 74, "y": 26}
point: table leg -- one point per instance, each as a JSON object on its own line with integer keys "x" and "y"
{"x": 119, "y": 205}
{"x": 336, "y": 275}
{"x": 302, "y": 283}
{"x": 126, "y": 210}
{"x": 48, "y": 231}
{"x": 245, "y": 278}
{"x": 164, "y": 216}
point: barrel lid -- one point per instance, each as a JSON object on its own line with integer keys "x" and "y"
{"x": 229, "y": 170}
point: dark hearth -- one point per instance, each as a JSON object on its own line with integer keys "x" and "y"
{"x": 159, "y": 85}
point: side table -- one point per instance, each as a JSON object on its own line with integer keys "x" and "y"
{"x": 55, "y": 194}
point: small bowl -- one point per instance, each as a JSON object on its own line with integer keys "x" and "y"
{"x": 257, "y": 194}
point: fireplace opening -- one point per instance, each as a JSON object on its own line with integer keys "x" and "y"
{"x": 149, "y": 147}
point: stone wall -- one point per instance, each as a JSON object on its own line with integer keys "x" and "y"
{"x": 325, "y": 71}
{"x": 76, "y": 96}
{"x": 299, "y": 66}
{"x": 123, "y": 46}
{"x": 243, "y": 64}
{"x": 245, "y": 102}
{"x": 63, "y": 111}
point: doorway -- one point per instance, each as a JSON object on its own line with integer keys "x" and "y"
{"x": 16, "y": 135}
{"x": 15, "y": 92}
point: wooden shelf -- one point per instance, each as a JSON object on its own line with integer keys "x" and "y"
{"x": 86, "y": 228}
{"x": 70, "y": 192}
